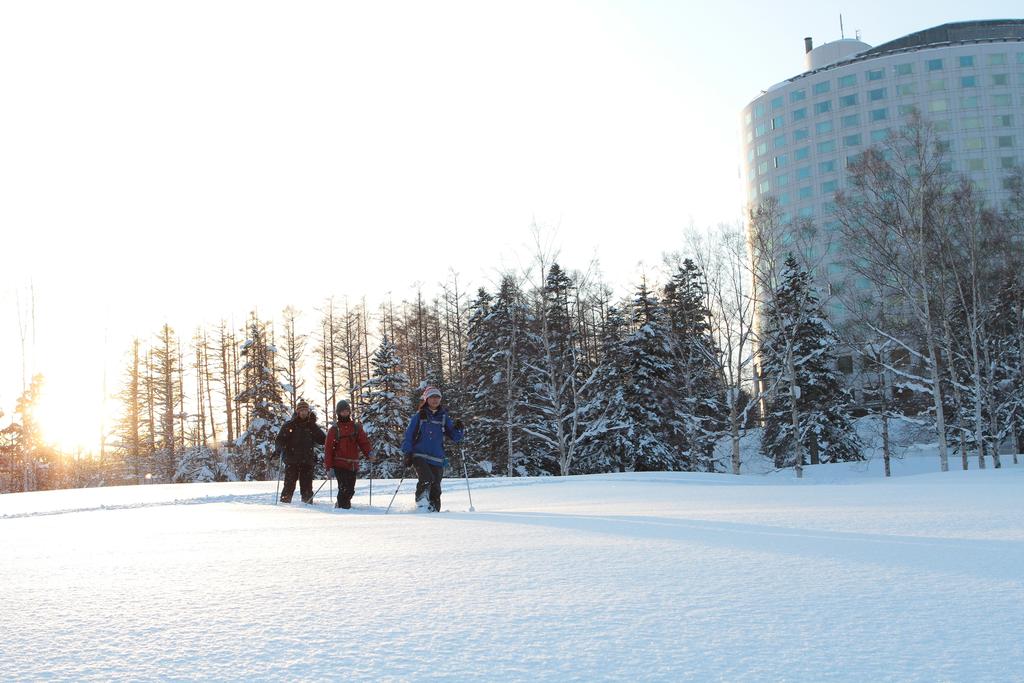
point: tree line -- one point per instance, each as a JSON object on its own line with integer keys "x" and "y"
{"x": 554, "y": 373}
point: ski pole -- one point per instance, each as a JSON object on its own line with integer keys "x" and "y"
{"x": 466, "y": 474}
{"x": 371, "y": 485}
{"x": 318, "y": 489}
{"x": 396, "y": 492}
{"x": 277, "y": 490}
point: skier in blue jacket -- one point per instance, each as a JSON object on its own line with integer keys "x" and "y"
{"x": 423, "y": 447}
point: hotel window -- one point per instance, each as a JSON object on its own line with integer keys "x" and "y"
{"x": 968, "y": 81}
{"x": 975, "y": 164}
{"x": 822, "y": 88}
{"x": 827, "y": 166}
{"x": 935, "y": 65}
{"x": 797, "y": 95}
{"x": 829, "y": 187}
{"x": 1020, "y": 57}
{"x": 967, "y": 61}
{"x": 1004, "y": 141}
{"x": 802, "y": 153}
{"x": 904, "y": 69}
{"x": 997, "y": 59}
{"x": 759, "y": 110}
{"x": 805, "y": 193}
{"x": 875, "y": 95}
{"x": 823, "y": 127}
{"x": 826, "y": 147}
{"x": 762, "y": 168}
{"x": 750, "y": 154}
{"x": 783, "y": 197}
{"x": 1002, "y": 121}
{"x": 847, "y": 81}
{"x": 850, "y": 121}
{"x": 875, "y": 75}
{"x": 802, "y": 173}
{"x": 800, "y": 134}
{"x": 762, "y": 149}
{"x": 852, "y": 140}
{"x": 761, "y": 129}
{"x": 1007, "y": 162}
{"x": 942, "y": 125}
{"x": 781, "y": 160}
{"x": 806, "y": 212}
{"x": 936, "y": 85}
{"x": 823, "y": 107}
{"x": 938, "y": 105}
{"x": 971, "y": 122}
{"x": 776, "y": 103}
{"x": 878, "y": 115}
{"x": 879, "y": 135}
{"x": 906, "y": 89}
{"x": 1000, "y": 79}
{"x": 848, "y": 100}
{"x": 765, "y": 187}
{"x": 905, "y": 109}
{"x": 777, "y": 122}
{"x": 1003, "y": 100}
{"x": 800, "y": 113}
{"x": 974, "y": 143}
{"x": 970, "y": 102}
{"x": 780, "y": 142}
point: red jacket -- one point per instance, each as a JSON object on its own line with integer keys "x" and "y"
{"x": 343, "y": 451}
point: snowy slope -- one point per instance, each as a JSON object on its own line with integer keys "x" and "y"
{"x": 652, "y": 576}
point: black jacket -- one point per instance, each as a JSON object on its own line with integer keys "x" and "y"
{"x": 297, "y": 439}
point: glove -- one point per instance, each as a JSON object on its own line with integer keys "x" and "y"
{"x": 407, "y": 460}
{"x": 328, "y": 473}
{"x": 459, "y": 425}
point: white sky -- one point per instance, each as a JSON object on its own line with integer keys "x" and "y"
{"x": 188, "y": 161}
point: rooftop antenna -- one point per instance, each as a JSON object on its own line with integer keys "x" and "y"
{"x": 842, "y": 33}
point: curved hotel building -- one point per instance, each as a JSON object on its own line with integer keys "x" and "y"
{"x": 966, "y": 78}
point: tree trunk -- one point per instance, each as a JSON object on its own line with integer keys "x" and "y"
{"x": 734, "y": 430}
{"x": 794, "y": 393}
{"x": 885, "y": 443}
{"x": 940, "y": 415}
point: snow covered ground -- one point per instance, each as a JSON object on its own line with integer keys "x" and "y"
{"x": 840, "y": 576}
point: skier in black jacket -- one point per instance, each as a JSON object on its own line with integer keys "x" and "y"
{"x": 295, "y": 443}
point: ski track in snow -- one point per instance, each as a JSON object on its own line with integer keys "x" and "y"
{"x": 654, "y": 576}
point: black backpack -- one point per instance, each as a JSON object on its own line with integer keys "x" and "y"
{"x": 354, "y": 435}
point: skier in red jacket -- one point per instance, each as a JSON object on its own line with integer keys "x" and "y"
{"x": 346, "y": 442}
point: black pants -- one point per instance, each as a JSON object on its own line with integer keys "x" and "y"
{"x": 429, "y": 482}
{"x": 346, "y": 486}
{"x": 304, "y": 473}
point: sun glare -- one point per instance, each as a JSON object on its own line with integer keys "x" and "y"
{"x": 68, "y": 423}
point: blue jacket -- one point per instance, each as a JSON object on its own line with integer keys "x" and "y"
{"x": 424, "y": 437}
